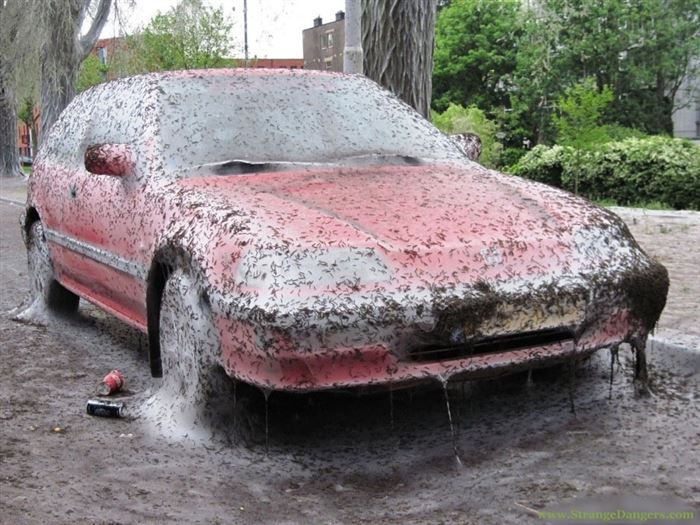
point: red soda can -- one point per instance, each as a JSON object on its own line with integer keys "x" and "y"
{"x": 112, "y": 383}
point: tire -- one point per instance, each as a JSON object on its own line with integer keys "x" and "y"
{"x": 188, "y": 343}
{"x": 200, "y": 396}
{"x": 42, "y": 283}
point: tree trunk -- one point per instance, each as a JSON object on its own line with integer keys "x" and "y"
{"x": 59, "y": 60}
{"x": 9, "y": 157}
{"x": 62, "y": 53}
{"x": 398, "y": 38}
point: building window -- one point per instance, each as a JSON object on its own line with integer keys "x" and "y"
{"x": 327, "y": 40}
{"x": 328, "y": 62}
{"x": 102, "y": 55}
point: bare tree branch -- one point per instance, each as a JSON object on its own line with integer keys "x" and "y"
{"x": 98, "y": 22}
{"x": 41, "y": 48}
{"x": 63, "y": 51}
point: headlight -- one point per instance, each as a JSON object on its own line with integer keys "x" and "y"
{"x": 311, "y": 267}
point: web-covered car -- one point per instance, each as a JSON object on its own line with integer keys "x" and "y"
{"x": 309, "y": 231}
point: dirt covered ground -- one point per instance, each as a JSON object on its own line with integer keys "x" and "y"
{"x": 342, "y": 459}
{"x": 673, "y": 238}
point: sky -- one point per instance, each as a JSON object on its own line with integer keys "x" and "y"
{"x": 274, "y": 26}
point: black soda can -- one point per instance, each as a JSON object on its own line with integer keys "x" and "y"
{"x": 104, "y": 408}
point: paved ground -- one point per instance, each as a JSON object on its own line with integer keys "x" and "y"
{"x": 673, "y": 237}
{"x": 341, "y": 459}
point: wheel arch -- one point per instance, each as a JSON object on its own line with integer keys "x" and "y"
{"x": 29, "y": 217}
{"x": 158, "y": 273}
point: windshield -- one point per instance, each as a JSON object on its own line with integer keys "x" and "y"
{"x": 288, "y": 117}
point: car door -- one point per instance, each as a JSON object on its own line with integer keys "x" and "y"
{"x": 56, "y": 163}
{"x": 103, "y": 218}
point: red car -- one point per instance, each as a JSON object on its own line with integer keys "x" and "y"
{"x": 308, "y": 231}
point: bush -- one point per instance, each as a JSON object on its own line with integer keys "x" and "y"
{"x": 458, "y": 119}
{"x": 617, "y": 132}
{"x": 511, "y": 156}
{"x": 543, "y": 164}
{"x": 653, "y": 169}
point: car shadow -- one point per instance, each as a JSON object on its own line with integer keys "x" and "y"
{"x": 487, "y": 416}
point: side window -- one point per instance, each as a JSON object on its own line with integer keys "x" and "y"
{"x": 63, "y": 143}
{"x": 117, "y": 116}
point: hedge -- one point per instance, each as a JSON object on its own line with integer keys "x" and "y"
{"x": 631, "y": 171}
{"x": 458, "y": 119}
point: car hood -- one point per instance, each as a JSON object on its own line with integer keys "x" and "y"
{"x": 447, "y": 222}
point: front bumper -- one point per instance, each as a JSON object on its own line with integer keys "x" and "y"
{"x": 317, "y": 349}
{"x": 376, "y": 365}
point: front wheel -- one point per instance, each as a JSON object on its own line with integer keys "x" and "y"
{"x": 188, "y": 343}
{"x": 189, "y": 350}
{"x": 196, "y": 399}
{"x": 45, "y": 289}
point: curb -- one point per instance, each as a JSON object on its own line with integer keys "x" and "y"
{"x": 675, "y": 343}
{"x": 12, "y": 202}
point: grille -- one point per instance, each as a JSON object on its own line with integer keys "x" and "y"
{"x": 490, "y": 345}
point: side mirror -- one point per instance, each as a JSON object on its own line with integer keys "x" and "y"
{"x": 469, "y": 143}
{"x": 109, "y": 159}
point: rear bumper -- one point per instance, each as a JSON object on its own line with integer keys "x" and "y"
{"x": 283, "y": 367}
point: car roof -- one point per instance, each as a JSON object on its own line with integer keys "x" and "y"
{"x": 238, "y": 72}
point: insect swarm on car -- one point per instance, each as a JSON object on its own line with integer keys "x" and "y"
{"x": 305, "y": 231}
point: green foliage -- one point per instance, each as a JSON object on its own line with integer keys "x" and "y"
{"x": 642, "y": 50}
{"x": 190, "y": 35}
{"x": 580, "y": 112}
{"x": 475, "y": 51}
{"x": 653, "y": 205}
{"x": 606, "y": 202}
{"x": 511, "y": 156}
{"x": 25, "y": 111}
{"x": 653, "y": 169}
{"x": 515, "y": 60}
{"x": 537, "y": 79}
{"x": 615, "y": 132}
{"x": 92, "y": 72}
{"x": 458, "y": 119}
{"x": 543, "y": 164}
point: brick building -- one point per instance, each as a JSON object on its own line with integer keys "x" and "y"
{"x": 105, "y": 49}
{"x": 324, "y": 43}
{"x": 274, "y": 63}
{"x": 26, "y": 139}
